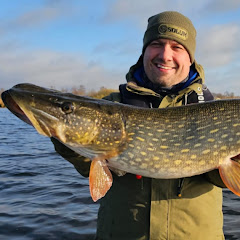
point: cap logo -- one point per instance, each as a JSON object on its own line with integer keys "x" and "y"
{"x": 172, "y": 30}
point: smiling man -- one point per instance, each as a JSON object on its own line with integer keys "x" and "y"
{"x": 166, "y": 62}
{"x": 140, "y": 208}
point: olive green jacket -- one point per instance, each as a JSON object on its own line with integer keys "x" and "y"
{"x": 157, "y": 209}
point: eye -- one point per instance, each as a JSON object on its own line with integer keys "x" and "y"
{"x": 67, "y": 107}
{"x": 155, "y": 44}
{"x": 178, "y": 47}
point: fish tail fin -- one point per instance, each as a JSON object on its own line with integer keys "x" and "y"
{"x": 230, "y": 174}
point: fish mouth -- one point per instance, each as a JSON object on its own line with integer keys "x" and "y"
{"x": 27, "y": 115}
{"x": 14, "y": 107}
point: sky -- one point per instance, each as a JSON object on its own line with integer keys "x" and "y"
{"x": 68, "y": 43}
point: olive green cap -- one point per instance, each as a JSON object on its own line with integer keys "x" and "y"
{"x": 174, "y": 26}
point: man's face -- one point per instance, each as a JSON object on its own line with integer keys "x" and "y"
{"x": 166, "y": 62}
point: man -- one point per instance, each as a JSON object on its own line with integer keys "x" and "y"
{"x": 165, "y": 75}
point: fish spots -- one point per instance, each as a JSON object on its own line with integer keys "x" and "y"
{"x": 155, "y": 158}
{"x": 143, "y": 166}
{"x": 151, "y": 149}
{"x": 223, "y": 148}
{"x": 131, "y": 155}
{"x": 202, "y": 162}
{"x": 177, "y": 162}
{"x": 143, "y": 153}
{"x": 201, "y": 128}
{"x": 193, "y": 156}
{"x": 131, "y": 134}
{"x": 206, "y": 151}
{"x": 157, "y": 166}
{"x": 163, "y": 147}
{"x": 190, "y": 137}
{"x": 197, "y": 145}
{"x": 214, "y": 130}
{"x": 140, "y": 139}
{"x": 224, "y": 136}
{"x": 211, "y": 140}
{"x": 185, "y": 150}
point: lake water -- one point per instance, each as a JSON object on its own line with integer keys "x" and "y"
{"x": 43, "y": 197}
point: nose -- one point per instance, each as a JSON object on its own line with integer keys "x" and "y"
{"x": 165, "y": 53}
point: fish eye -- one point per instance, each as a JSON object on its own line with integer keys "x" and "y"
{"x": 67, "y": 107}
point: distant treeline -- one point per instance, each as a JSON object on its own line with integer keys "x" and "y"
{"x": 226, "y": 95}
{"x": 81, "y": 90}
{"x": 102, "y": 92}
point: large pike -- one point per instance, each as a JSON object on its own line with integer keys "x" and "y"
{"x": 159, "y": 143}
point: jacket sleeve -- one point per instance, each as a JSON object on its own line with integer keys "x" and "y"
{"x": 212, "y": 176}
{"x": 81, "y": 163}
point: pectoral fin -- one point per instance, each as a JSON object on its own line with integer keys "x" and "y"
{"x": 230, "y": 174}
{"x": 100, "y": 179}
